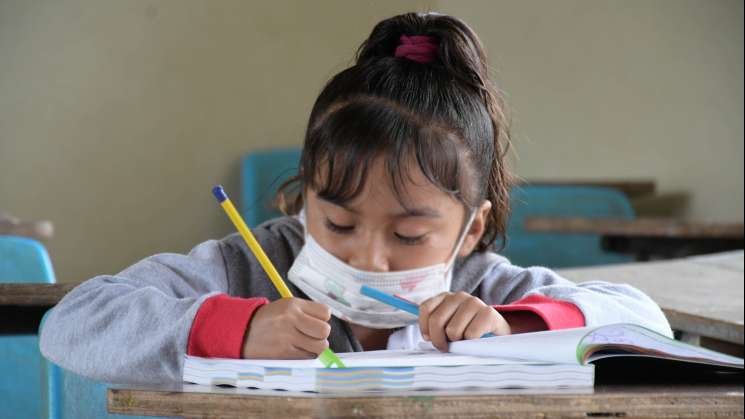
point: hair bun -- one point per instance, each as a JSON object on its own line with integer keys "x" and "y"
{"x": 419, "y": 48}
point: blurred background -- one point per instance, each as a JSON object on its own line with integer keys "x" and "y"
{"x": 116, "y": 118}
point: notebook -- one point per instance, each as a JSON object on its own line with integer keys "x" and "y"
{"x": 552, "y": 359}
{"x": 386, "y": 370}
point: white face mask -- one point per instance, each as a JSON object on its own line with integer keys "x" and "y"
{"x": 328, "y": 280}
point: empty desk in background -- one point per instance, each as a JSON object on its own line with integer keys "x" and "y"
{"x": 702, "y": 296}
{"x": 23, "y": 305}
{"x": 649, "y": 238}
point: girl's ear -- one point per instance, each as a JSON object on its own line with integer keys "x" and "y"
{"x": 478, "y": 226}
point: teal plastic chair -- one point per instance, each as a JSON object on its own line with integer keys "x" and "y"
{"x": 22, "y": 260}
{"x": 262, "y": 172}
{"x": 559, "y": 250}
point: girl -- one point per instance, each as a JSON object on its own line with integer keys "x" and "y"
{"x": 402, "y": 186}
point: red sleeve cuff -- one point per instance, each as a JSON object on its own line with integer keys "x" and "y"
{"x": 556, "y": 314}
{"x": 220, "y": 325}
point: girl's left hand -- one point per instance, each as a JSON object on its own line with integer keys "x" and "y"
{"x": 454, "y": 316}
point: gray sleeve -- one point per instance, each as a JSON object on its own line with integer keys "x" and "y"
{"x": 600, "y": 302}
{"x": 133, "y": 327}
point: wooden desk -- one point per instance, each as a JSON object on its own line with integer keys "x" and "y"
{"x": 631, "y": 188}
{"x": 40, "y": 230}
{"x": 670, "y": 401}
{"x": 23, "y": 305}
{"x": 701, "y": 295}
{"x": 649, "y": 238}
{"x": 647, "y": 227}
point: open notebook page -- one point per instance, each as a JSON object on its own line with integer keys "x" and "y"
{"x": 587, "y": 344}
{"x": 386, "y": 358}
{"x": 637, "y": 339}
{"x": 559, "y": 347}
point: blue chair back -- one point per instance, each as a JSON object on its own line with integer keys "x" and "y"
{"x": 25, "y": 260}
{"x": 559, "y": 250}
{"x": 22, "y": 260}
{"x": 262, "y": 172}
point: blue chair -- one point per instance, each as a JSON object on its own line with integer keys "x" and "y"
{"x": 559, "y": 250}
{"x": 32, "y": 387}
{"x": 262, "y": 172}
{"x": 22, "y": 260}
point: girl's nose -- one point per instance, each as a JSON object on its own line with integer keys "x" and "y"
{"x": 372, "y": 257}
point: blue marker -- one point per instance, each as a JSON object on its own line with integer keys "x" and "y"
{"x": 390, "y": 300}
{"x": 397, "y": 302}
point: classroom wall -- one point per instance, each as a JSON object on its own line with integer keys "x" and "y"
{"x": 624, "y": 89}
{"x": 116, "y": 118}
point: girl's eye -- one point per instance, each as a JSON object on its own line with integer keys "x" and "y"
{"x": 338, "y": 228}
{"x": 411, "y": 241}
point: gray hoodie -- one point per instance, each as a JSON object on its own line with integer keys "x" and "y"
{"x": 133, "y": 327}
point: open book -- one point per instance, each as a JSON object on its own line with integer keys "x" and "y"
{"x": 553, "y": 359}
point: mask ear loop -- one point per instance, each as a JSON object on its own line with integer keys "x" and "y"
{"x": 461, "y": 238}
{"x": 301, "y": 215}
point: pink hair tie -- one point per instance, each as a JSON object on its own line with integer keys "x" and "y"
{"x": 419, "y": 48}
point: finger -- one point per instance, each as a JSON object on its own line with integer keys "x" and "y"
{"x": 317, "y": 310}
{"x": 314, "y": 346}
{"x": 440, "y": 318}
{"x": 502, "y": 327}
{"x": 462, "y": 318}
{"x": 312, "y": 327}
{"x": 482, "y": 323}
{"x": 487, "y": 320}
{"x": 299, "y": 353}
{"x": 425, "y": 309}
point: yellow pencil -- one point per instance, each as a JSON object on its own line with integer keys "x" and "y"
{"x": 328, "y": 357}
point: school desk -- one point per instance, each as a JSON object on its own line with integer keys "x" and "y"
{"x": 649, "y": 238}
{"x": 702, "y": 296}
{"x": 39, "y": 230}
{"x": 23, "y": 305}
{"x": 630, "y": 188}
{"x": 650, "y": 401}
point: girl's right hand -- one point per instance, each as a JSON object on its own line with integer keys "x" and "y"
{"x": 289, "y": 328}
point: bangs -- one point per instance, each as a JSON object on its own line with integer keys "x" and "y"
{"x": 343, "y": 144}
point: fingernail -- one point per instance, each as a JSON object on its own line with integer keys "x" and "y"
{"x": 426, "y": 337}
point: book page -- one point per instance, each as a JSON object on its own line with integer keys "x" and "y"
{"x": 404, "y": 358}
{"x": 384, "y": 358}
{"x": 635, "y": 339}
{"x": 555, "y": 346}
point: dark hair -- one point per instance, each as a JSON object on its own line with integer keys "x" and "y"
{"x": 445, "y": 114}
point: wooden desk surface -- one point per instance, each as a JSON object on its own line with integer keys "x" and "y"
{"x": 22, "y": 306}
{"x": 40, "y": 230}
{"x": 639, "y": 227}
{"x": 42, "y": 295}
{"x": 632, "y": 188}
{"x": 701, "y": 295}
{"x": 670, "y": 401}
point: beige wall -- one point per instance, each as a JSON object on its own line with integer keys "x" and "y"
{"x": 623, "y": 89}
{"x": 117, "y": 118}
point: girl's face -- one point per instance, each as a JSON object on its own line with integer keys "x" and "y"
{"x": 374, "y": 232}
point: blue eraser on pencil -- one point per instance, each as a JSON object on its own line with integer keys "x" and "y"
{"x": 219, "y": 193}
